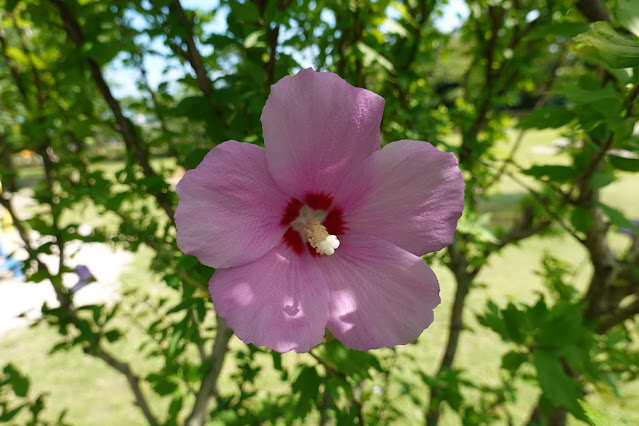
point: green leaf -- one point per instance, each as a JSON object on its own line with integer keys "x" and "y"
{"x": 6, "y": 416}
{"x": 601, "y": 179}
{"x": 581, "y": 219}
{"x": 307, "y": 385}
{"x": 161, "y": 385}
{"x": 395, "y": 27}
{"x": 513, "y": 360}
{"x": 564, "y": 29}
{"x": 195, "y": 107}
{"x": 596, "y": 417}
{"x": 194, "y": 158}
{"x": 277, "y": 360}
{"x": 548, "y": 117}
{"x": 552, "y": 172}
{"x": 252, "y": 40}
{"x": 513, "y": 320}
{"x": 113, "y": 335}
{"x": 560, "y": 389}
{"x": 19, "y": 383}
{"x": 244, "y": 12}
{"x": 605, "y": 44}
{"x": 623, "y": 163}
{"x": 102, "y": 53}
{"x": 371, "y": 55}
{"x": 616, "y": 217}
{"x": 175, "y": 340}
{"x": 585, "y": 96}
{"x": 175, "y": 407}
{"x": 11, "y": 4}
{"x": 627, "y": 15}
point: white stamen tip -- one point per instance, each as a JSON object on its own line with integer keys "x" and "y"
{"x": 329, "y": 245}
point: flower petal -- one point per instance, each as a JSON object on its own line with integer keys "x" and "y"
{"x": 316, "y": 128}
{"x": 409, "y": 193}
{"x": 229, "y": 209}
{"x": 279, "y": 301}
{"x": 380, "y": 295}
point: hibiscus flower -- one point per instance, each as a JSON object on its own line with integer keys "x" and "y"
{"x": 322, "y": 229}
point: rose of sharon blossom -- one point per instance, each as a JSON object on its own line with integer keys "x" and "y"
{"x": 322, "y": 229}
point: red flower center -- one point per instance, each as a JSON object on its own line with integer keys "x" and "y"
{"x": 322, "y": 203}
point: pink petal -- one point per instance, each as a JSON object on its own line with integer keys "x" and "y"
{"x": 380, "y": 294}
{"x": 229, "y": 209}
{"x": 279, "y": 301}
{"x": 409, "y": 193}
{"x": 316, "y": 128}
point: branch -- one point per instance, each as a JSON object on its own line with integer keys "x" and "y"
{"x": 128, "y": 131}
{"x": 8, "y": 177}
{"x": 328, "y": 401}
{"x": 271, "y": 40}
{"x": 66, "y": 304}
{"x": 521, "y": 232}
{"x": 422, "y": 19}
{"x": 329, "y": 368}
{"x": 200, "y": 414}
{"x": 544, "y": 202}
{"x": 131, "y": 377}
{"x": 22, "y": 232}
{"x": 194, "y": 57}
{"x": 464, "y": 277}
{"x": 43, "y": 147}
{"x": 617, "y": 317}
{"x": 605, "y": 263}
{"x": 545, "y": 89}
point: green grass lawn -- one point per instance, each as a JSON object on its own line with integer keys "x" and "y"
{"x": 95, "y": 395}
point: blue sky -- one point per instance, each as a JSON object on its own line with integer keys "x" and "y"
{"x": 159, "y": 69}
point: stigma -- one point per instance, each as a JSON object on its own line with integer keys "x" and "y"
{"x": 319, "y": 238}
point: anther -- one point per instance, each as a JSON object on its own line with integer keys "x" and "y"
{"x": 319, "y": 238}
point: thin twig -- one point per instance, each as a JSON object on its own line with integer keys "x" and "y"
{"x": 200, "y": 413}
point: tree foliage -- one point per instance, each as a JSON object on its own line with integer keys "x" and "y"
{"x": 512, "y": 66}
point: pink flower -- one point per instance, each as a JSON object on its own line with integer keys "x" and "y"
{"x": 322, "y": 229}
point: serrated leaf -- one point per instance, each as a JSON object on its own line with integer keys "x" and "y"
{"x": 596, "y": 417}
{"x": 606, "y": 44}
{"x": 560, "y": 389}
{"x": 307, "y": 385}
{"x": 513, "y": 321}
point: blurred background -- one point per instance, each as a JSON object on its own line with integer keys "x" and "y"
{"x": 104, "y": 105}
